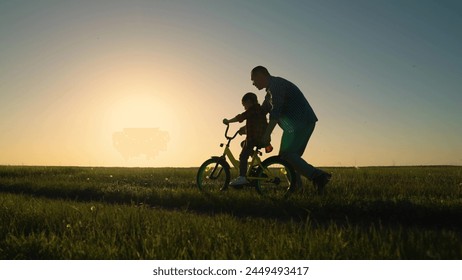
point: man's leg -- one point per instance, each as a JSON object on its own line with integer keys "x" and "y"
{"x": 293, "y": 145}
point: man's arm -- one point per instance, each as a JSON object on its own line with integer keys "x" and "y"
{"x": 269, "y": 130}
{"x": 267, "y": 104}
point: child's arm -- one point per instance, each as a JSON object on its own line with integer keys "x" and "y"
{"x": 242, "y": 130}
{"x": 226, "y": 121}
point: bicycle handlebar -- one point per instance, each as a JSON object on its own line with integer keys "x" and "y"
{"x": 230, "y": 137}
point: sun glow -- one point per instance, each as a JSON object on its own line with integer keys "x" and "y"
{"x": 139, "y": 110}
{"x": 138, "y": 126}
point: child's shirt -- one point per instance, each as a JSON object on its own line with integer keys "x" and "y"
{"x": 255, "y": 125}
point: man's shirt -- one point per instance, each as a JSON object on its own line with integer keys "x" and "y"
{"x": 287, "y": 105}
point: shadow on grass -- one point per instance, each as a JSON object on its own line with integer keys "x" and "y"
{"x": 319, "y": 211}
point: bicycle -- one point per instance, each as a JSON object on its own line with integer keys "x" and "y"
{"x": 273, "y": 177}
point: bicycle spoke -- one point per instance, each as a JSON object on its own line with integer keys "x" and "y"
{"x": 276, "y": 178}
{"x": 212, "y": 176}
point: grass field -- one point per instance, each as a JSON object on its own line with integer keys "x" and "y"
{"x": 143, "y": 213}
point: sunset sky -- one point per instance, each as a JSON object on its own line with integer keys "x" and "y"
{"x": 384, "y": 78}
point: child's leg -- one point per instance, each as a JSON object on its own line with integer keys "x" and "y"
{"x": 244, "y": 157}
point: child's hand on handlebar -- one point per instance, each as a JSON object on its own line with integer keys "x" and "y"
{"x": 226, "y": 121}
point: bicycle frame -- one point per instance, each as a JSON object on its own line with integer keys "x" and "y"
{"x": 272, "y": 176}
{"x": 255, "y": 159}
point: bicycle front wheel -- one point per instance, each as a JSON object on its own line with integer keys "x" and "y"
{"x": 213, "y": 175}
{"x": 276, "y": 178}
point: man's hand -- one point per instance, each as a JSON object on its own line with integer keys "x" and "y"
{"x": 225, "y": 121}
{"x": 242, "y": 130}
{"x": 267, "y": 136}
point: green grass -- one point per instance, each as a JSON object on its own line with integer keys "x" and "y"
{"x": 143, "y": 213}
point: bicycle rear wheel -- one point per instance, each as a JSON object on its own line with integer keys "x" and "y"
{"x": 280, "y": 178}
{"x": 213, "y": 175}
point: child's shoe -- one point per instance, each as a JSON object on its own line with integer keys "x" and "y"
{"x": 239, "y": 181}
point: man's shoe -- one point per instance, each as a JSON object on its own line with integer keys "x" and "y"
{"x": 297, "y": 183}
{"x": 239, "y": 181}
{"x": 321, "y": 181}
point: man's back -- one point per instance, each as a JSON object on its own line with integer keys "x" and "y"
{"x": 289, "y": 106}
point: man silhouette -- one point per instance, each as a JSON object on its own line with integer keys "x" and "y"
{"x": 289, "y": 108}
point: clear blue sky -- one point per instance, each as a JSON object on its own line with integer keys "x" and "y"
{"x": 384, "y": 77}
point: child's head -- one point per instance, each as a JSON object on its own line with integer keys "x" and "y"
{"x": 249, "y": 99}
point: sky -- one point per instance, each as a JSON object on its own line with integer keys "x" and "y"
{"x": 148, "y": 83}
